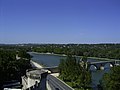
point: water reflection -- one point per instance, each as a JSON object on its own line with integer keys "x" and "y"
{"x": 98, "y": 74}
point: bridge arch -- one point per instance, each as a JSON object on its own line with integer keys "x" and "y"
{"x": 93, "y": 67}
{"x": 108, "y": 65}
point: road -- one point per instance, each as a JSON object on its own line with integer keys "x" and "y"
{"x": 56, "y": 84}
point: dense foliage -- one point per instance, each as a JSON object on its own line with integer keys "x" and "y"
{"x": 111, "y": 51}
{"x": 75, "y": 72}
{"x": 10, "y": 67}
{"x": 111, "y": 81}
{"x": 23, "y": 54}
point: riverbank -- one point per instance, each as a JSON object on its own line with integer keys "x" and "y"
{"x": 35, "y": 64}
{"x": 50, "y": 54}
{"x": 104, "y": 59}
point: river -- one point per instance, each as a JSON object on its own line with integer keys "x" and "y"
{"x": 54, "y": 60}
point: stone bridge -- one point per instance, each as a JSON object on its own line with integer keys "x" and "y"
{"x": 101, "y": 64}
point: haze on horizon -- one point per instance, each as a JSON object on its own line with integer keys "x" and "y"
{"x": 59, "y": 21}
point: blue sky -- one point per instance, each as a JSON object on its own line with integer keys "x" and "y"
{"x": 59, "y": 21}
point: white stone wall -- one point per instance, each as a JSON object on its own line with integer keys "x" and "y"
{"x": 32, "y": 82}
{"x": 24, "y": 83}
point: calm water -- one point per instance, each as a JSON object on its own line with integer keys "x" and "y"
{"x": 54, "y": 60}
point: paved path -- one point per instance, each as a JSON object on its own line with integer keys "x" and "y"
{"x": 56, "y": 84}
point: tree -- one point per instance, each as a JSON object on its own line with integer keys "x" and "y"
{"x": 72, "y": 71}
{"x": 111, "y": 81}
{"x": 23, "y": 54}
{"x": 10, "y": 68}
{"x": 86, "y": 76}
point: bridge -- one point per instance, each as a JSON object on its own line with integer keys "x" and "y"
{"x": 101, "y": 64}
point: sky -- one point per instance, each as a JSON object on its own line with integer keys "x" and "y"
{"x": 59, "y": 21}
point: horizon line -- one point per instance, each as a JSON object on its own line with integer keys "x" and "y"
{"x": 53, "y": 43}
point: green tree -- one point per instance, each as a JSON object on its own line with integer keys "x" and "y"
{"x": 10, "y": 68}
{"x": 85, "y": 75}
{"x": 73, "y": 71}
{"x": 24, "y": 54}
{"x": 111, "y": 81}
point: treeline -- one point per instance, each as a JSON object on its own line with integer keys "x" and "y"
{"x": 74, "y": 73}
{"x": 15, "y": 47}
{"x": 11, "y": 68}
{"x": 111, "y": 51}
